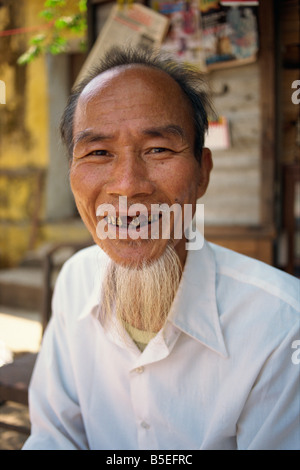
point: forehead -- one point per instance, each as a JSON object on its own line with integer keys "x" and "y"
{"x": 136, "y": 90}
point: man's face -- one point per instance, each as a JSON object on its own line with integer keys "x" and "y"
{"x": 134, "y": 136}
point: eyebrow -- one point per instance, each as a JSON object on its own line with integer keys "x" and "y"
{"x": 159, "y": 131}
{"x": 90, "y": 136}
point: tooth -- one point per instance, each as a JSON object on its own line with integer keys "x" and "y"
{"x": 135, "y": 222}
{"x": 119, "y": 221}
{"x": 109, "y": 219}
{"x": 150, "y": 218}
{"x": 113, "y": 220}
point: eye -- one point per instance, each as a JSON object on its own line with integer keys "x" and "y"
{"x": 99, "y": 153}
{"x": 159, "y": 150}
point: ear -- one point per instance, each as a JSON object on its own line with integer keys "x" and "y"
{"x": 204, "y": 171}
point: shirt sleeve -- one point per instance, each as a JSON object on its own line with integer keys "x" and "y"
{"x": 271, "y": 417}
{"x": 56, "y": 421}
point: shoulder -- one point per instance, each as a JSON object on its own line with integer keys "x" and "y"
{"x": 86, "y": 254}
{"x": 88, "y": 257}
{"x": 78, "y": 282}
{"x": 83, "y": 267}
{"x": 258, "y": 305}
{"x": 256, "y": 277}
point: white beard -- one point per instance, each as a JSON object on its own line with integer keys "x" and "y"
{"x": 142, "y": 296}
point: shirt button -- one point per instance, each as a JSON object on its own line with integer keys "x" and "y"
{"x": 145, "y": 425}
{"x": 139, "y": 370}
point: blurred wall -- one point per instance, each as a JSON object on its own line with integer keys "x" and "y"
{"x": 35, "y": 196}
{"x": 23, "y": 133}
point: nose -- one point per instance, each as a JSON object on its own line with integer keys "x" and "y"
{"x": 129, "y": 178}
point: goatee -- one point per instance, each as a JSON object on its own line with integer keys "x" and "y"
{"x": 142, "y": 296}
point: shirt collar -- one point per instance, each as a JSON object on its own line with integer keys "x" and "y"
{"x": 195, "y": 310}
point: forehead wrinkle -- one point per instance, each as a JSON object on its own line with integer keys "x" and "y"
{"x": 105, "y": 88}
{"x": 89, "y": 136}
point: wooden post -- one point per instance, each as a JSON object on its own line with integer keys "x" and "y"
{"x": 268, "y": 110}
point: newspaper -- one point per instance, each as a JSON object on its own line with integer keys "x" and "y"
{"x": 130, "y": 25}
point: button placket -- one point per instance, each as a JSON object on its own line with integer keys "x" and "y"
{"x": 139, "y": 399}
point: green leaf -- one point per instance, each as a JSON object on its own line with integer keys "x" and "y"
{"x": 82, "y": 5}
{"x": 63, "y": 22}
{"x": 48, "y": 15}
{"x": 58, "y": 45}
{"x": 37, "y": 40}
{"x": 52, "y": 12}
{"x": 54, "y": 3}
{"x": 74, "y": 23}
{"x": 29, "y": 55}
{"x": 78, "y": 24}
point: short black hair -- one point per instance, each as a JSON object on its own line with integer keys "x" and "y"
{"x": 188, "y": 78}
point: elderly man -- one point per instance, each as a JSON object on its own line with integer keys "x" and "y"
{"x": 154, "y": 344}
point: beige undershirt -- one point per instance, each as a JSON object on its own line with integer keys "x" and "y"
{"x": 140, "y": 337}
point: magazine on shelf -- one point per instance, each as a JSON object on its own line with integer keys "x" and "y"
{"x": 229, "y": 32}
{"x": 183, "y": 39}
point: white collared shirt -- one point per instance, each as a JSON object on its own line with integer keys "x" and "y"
{"x": 222, "y": 374}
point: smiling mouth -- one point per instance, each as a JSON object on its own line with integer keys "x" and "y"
{"x": 136, "y": 221}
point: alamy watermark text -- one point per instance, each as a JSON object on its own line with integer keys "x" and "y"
{"x": 157, "y": 221}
